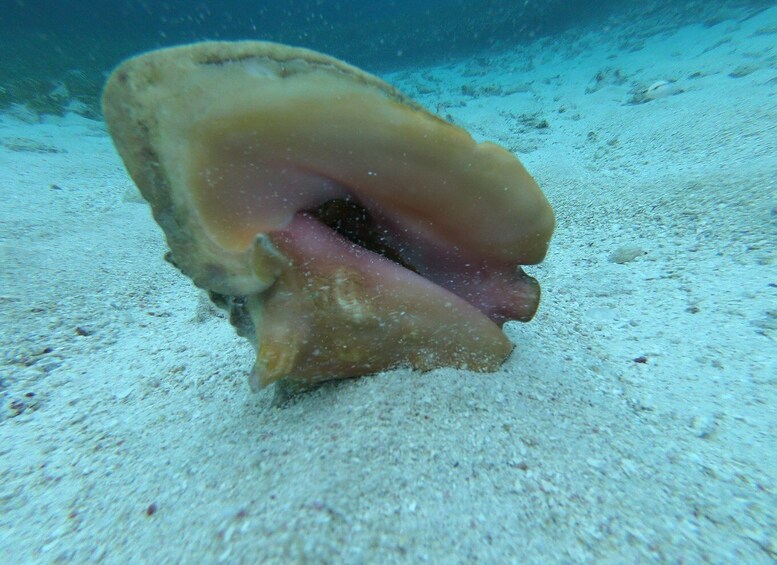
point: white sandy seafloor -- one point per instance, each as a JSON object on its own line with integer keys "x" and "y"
{"x": 128, "y": 432}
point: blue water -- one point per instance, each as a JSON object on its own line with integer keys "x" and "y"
{"x": 43, "y": 41}
{"x": 46, "y": 42}
{"x": 368, "y": 33}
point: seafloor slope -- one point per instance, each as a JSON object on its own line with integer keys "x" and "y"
{"x": 635, "y": 420}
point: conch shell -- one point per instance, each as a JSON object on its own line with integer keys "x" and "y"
{"x": 346, "y": 229}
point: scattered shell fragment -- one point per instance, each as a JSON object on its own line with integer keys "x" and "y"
{"x": 659, "y": 89}
{"x": 626, "y": 253}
